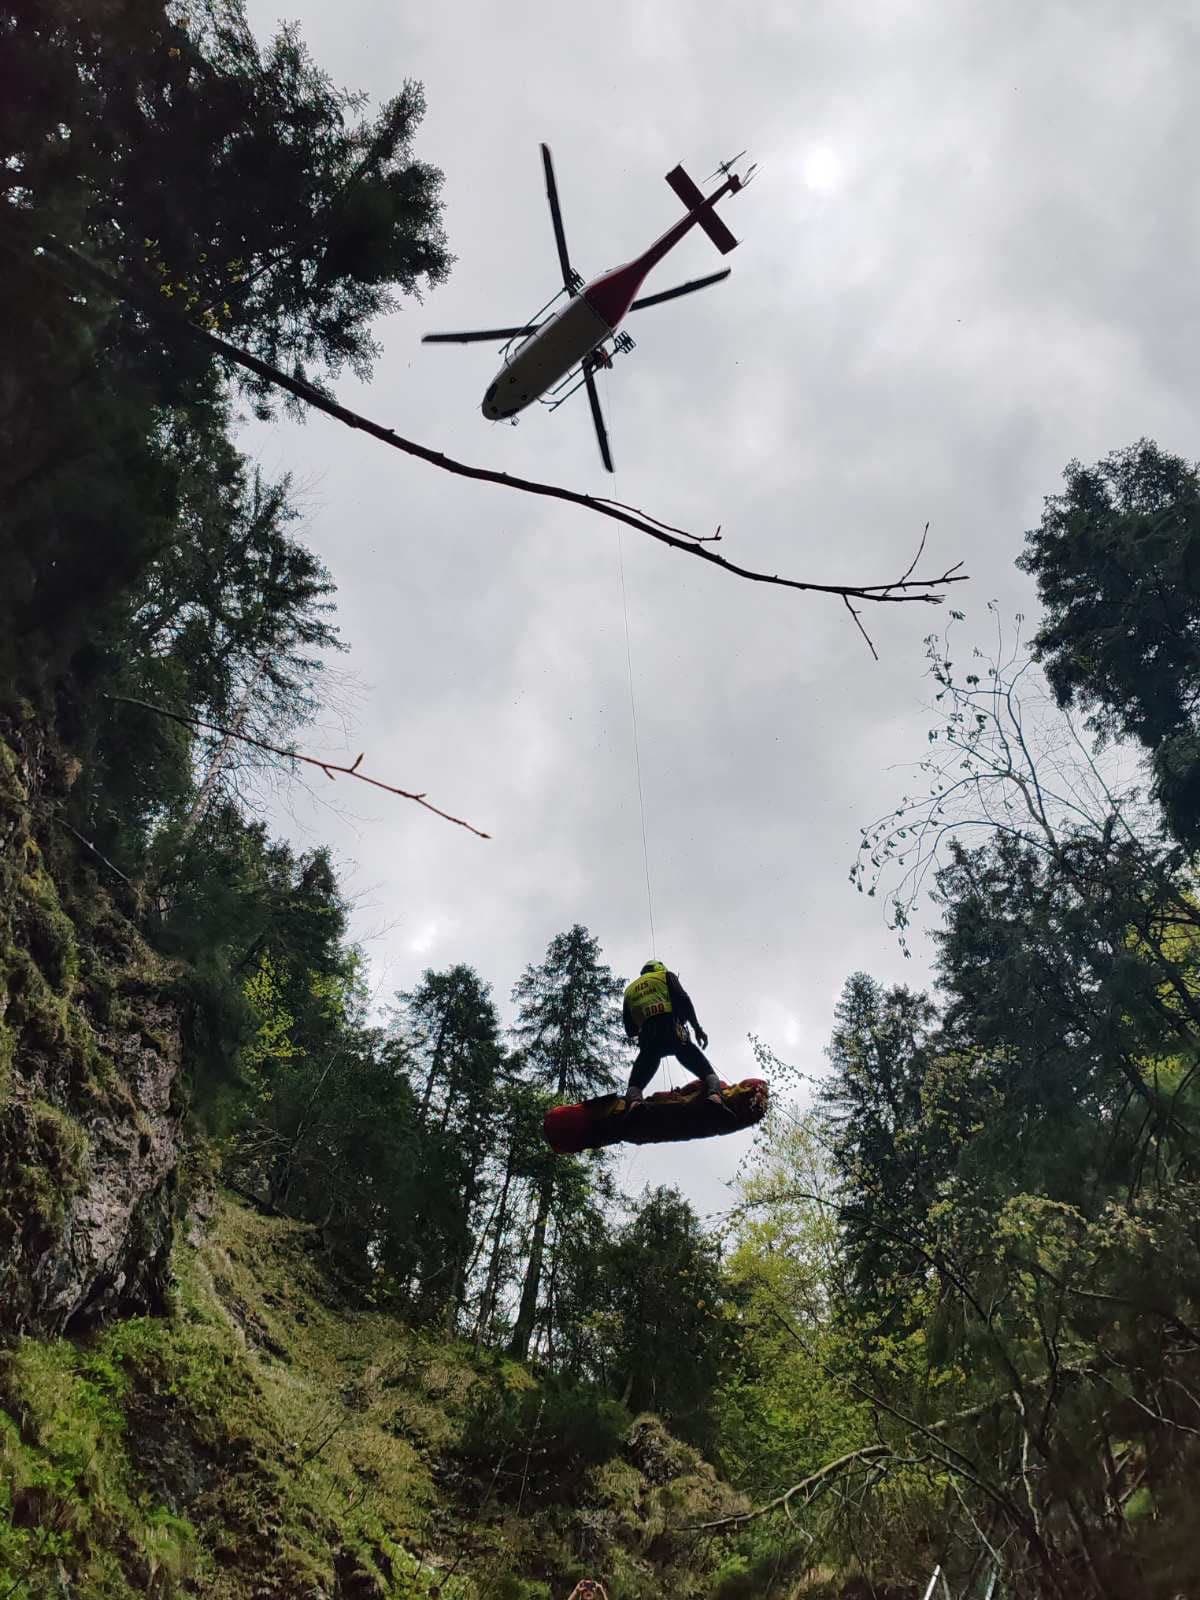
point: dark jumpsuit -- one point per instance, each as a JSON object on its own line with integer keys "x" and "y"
{"x": 658, "y": 1038}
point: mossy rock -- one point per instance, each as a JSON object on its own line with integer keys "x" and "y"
{"x": 181, "y": 1451}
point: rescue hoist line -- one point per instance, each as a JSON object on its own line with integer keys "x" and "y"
{"x": 637, "y": 754}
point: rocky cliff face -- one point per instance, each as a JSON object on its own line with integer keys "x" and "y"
{"x": 89, "y": 1067}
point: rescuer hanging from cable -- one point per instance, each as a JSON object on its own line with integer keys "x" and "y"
{"x": 657, "y": 1012}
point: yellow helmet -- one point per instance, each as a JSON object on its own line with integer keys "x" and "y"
{"x": 654, "y": 966}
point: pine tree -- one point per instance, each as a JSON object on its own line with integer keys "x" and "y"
{"x": 454, "y": 1037}
{"x": 670, "y": 1335}
{"x": 230, "y": 182}
{"x": 568, "y": 1020}
{"x": 880, "y": 1056}
{"x": 569, "y": 1027}
{"x": 228, "y": 623}
{"x": 522, "y": 1159}
{"x": 232, "y": 178}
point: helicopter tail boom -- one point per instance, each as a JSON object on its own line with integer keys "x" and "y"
{"x": 708, "y": 220}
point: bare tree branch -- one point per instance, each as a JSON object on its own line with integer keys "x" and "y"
{"x": 858, "y": 624}
{"x": 667, "y": 527}
{"x": 920, "y": 552}
{"x": 331, "y": 769}
{"x": 87, "y": 843}
{"x": 904, "y": 589}
{"x": 808, "y": 1487}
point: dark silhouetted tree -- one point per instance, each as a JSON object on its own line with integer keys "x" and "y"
{"x": 569, "y": 1029}
{"x": 1116, "y": 557}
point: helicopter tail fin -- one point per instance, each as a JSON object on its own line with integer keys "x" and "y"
{"x": 708, "y": 220}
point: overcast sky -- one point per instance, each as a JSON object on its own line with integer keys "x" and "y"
{"x": 971, "y": 256}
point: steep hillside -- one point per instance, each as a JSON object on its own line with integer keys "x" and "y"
{"x": 89, "y": 1067}
{"x": 268, "y": 1439}
{"x": 214, "y": 1410}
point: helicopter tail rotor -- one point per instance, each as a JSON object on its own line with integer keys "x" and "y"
{"x": 692, "y": 198}
{"x": 724, "y": 168}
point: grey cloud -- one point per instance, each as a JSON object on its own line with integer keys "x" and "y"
{"x": 1005, "y": 279}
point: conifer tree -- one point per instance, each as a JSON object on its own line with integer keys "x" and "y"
{"x": 569, "y": 1028}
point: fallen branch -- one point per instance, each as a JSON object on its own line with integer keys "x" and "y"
{"x": 331, "y": 769}
{"x": 899, "y": 591}
{"x": 807, "y": 1487}
{"x": 87, "y": 843}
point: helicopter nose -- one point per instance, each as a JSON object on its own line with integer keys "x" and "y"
{"x": 489, "y": 407}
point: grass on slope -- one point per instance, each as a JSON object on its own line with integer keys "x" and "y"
{"x": 269, "y": 1440}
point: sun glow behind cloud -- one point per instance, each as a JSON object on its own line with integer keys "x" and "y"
{"x": 423, "y": 941}
{"x": 822, "y": 169}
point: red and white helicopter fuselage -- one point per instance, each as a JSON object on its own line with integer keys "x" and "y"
{"x": 539, "y": 360}
{"x": 541, "y": 357}
{"x": 536, "y": 363}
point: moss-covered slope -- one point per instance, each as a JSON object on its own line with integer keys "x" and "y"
{"x": 266, "y": 1439}
{"x": 89, "y": 1071}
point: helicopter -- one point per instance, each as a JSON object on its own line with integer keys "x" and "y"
{"x": 558, "y": 351}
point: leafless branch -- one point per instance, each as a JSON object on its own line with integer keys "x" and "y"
{"x": 920, "y": 552}
{"x": 858, "y": 624}
{"x": 331, "y": 769}
{"x": 667, "y": 527}
{"x": 808, "y": 1487}
{"x": 88, "y": 845}
{"x": 1157, "y": 1416}
{"x": 904, "y": 589}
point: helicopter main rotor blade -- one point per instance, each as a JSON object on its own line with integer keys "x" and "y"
{"x": 683, "y": 288}
{"x": 473, "y": 338}
{"x": 560, "y": 238}
{"x": 598, "y": 419}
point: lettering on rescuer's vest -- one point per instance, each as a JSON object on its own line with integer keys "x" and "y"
{"x": 648, "y": 996}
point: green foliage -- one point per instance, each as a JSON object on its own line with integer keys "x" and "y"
{"x": 144, "y": 559}
{"x": 88, "y": 497}
{"x": 1015, "y": 1283}
{"x": 234, "y": 183}
{"x": 569, "y": 1028}
{"x": 539, "y": 1441}
{"x": 238, "y": 901}
{"x": 1117, "y": 562}
{"x": 452, "y": 1034}
{"x": 670, "y": 1330}
{"x": 271, "y": 1044}
{"x": 269, "y": 1435}
{"x": 789, "y": 1404}
{"x": 568, "y": 1017}
{"x": 235, "y": 179}
{"x": 71, "y": 1501}
{"x": 227, "y": 623}
{"x": 508, "y": 1587}
{"x": 882, "y": 1146}
{"x": 771, "y": 1575}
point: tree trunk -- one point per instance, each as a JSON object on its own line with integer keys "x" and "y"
{"x": 487, "y": 1308}
{"x": 436, "y": 1060}
{"x": 221, "y": 758}
{"x": 518, "y": 1345}
{"x": 552, "y": 1300}
{"x": 458, "y": 1273}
